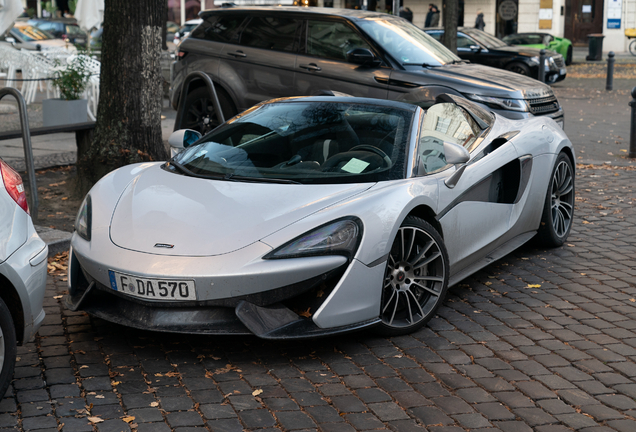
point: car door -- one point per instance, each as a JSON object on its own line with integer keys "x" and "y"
{"x": 322, "y": 63}
{"x": 475, "y": 211}
{"x": 262, "y": 65}
{"x": 469, "y": 49}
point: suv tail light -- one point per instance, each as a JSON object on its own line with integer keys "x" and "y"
{"x": 13, "y": 184}
{"x": 181, "y": 54}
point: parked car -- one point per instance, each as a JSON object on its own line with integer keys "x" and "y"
{"x": 255, "y": 54}
{"x": 22, "y": 272}
{"x": 186, "y": 29}
{"x": 66, "y": 29}
{"x": 477, "y": 46}
{"x": 25, "y": 36}
{"x": 542, "y": 41}
{"x": 304, "y": 217}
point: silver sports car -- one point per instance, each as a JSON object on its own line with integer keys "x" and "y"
{"x": 304, "y": 217}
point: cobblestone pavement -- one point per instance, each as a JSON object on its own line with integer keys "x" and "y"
{"x": 541, "y": 340}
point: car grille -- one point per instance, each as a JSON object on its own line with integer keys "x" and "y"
{"x": 558, "y": 61}
{"x": 544, "y": 105}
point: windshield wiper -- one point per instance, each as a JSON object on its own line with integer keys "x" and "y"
{"x": 420, "y": 64}
{"x": 233, "y": 177}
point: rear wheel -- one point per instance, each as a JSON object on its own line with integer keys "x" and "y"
{"x": 519, "y": 68}
{"x": 558, "y": 209}
{"x": 7, "y": 348}
{"x": 632, "y": 47}
{"x": 568, "y": 56}
{"x": 200, "y": 114}
{"x": 416, "y": 278}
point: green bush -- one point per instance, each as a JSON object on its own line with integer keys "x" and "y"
{"x": 73, "y": 79}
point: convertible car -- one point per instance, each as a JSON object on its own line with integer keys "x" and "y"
{"x": 304, "y": 217}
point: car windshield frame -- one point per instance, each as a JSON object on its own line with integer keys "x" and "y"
{"x": 306, "y": 142}
{"x": 430, "y": 52}
{"x": 485, "y": 39}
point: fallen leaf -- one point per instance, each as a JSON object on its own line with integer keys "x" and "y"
{"x": 128, "y": 419}
{"x": 534, "y": 286}
{"x": 154, "y": 404}
{"x": 100, "y": 397}
{"x": 57, "y": 297}
{"x": 632, "y": 300}
{"x": 257, "y": 392}
{"x": 116, "y": 383}
{"x": 95, "y": 420}
{"x": 306, "y": 313}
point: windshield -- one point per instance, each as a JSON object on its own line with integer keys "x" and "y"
{"x": 485, "y": 39}
{"x": 31, "y": 33}
{"x": 304, "y": 142}
{"x": 407, "y": 43}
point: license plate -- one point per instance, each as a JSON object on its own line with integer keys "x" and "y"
{"x": 153, "y": 289}
{"x": 562, "y": 71}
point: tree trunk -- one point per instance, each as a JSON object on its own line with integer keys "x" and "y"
{"x": 450, "y": 24}
{"x": 128, "y": 126}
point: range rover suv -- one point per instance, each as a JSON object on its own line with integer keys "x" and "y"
{"x": 258, "y": 53}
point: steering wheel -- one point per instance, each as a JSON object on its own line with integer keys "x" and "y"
{"x": 373, "y": 149}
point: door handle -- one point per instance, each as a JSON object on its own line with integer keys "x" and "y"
{"x": 237, "y": 54}
{"x": 311, "y": 67}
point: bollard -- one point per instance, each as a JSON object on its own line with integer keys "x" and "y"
{"x": 632, "y": 134}
{"x": 609, "y": 85}
{"x": 542, "y": 66}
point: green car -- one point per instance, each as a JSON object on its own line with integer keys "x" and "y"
{"x": 542, "y": 40}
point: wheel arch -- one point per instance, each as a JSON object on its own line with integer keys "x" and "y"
{"x": 198, "y": 83}
{"x": 426, "y": 213}
{"x": 11, "y": 298}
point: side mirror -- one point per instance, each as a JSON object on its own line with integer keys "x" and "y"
{"x": 361, "y": 56}
{"x": 475, "y": 48}
{"x": 458, "y": 156}
{"x": 10, "y": 40}
{"x": 183, "y": 138}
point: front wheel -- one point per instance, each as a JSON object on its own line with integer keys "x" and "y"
{"x": 520, "y": 68}
{"x": 558, "y": 208}
{"x": 416, "y": 278}
{"x": 632, "y": 47}
{"x": 7, "y": 348}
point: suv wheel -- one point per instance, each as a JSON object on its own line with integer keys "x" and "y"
{"x": 8, "y": 348}
{"x": 199, "y": 110}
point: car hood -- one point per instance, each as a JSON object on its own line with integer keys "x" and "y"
{"x": 200, "y": 217}
{"x": 489, "y": 81}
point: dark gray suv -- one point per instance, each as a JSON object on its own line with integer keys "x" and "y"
{"x": 258, "y": 53}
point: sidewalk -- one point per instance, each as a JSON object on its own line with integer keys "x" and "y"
{"x": 579, "y": 55}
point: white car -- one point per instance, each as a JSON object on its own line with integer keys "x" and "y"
{"x": 22, "y": 272}
{"x": 303, "y": 217}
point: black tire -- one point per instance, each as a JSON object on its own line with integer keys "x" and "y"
{"x": 558, "y": 208}
{"x": 199, "y": 113}
{"x": 412, "y": 293}
{"x": 568, "y": 56}
{"x": 632, "y": 47}
{"x": 518, "y": 67}
{"x": 8, "y": 348}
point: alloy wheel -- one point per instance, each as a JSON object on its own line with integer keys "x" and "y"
{"x": 414, "y": 278}
{"x": 200, "y": 116}
{"x": 2, "y": 350}
{"x": 562, "y": 202}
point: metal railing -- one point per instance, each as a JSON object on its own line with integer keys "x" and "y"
{"x": 26, "y": 142}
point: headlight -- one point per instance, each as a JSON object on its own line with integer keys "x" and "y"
{"x": 494, "y": 102}
{"x": 336, "y": 238}
{"x": 83, "y": 220}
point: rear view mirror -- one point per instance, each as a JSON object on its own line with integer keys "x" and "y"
{"x": 10, "y": 40}
{"x": 361, "y": 56}
{"x": 475, "y": 48}
{"x": 183, "y": 138}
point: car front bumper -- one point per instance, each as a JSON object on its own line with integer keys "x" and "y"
{"x": 293, "y": 308}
